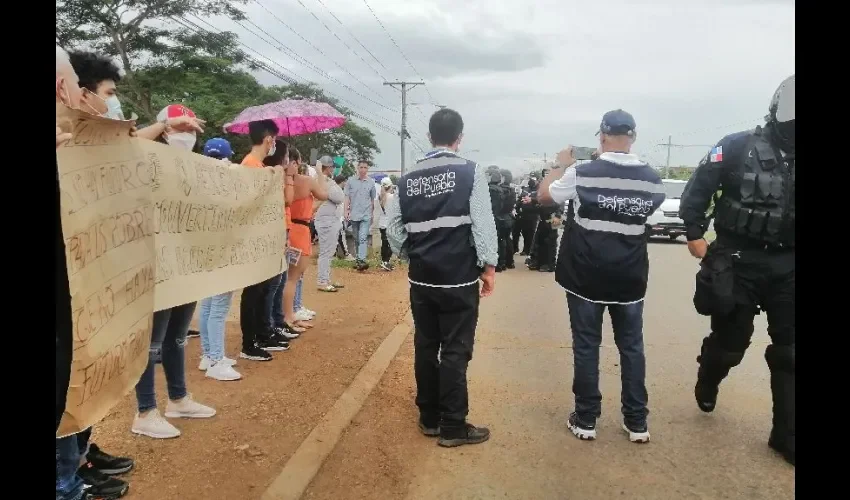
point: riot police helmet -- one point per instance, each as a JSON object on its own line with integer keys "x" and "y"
{"x": 783, "y": 110}
{"x": 507, "y": 176}
{"x": 494, "y": 176}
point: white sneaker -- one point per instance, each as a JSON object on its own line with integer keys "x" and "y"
{"x": 188, "y": 408}
{"x": 302, "y": 315}
{"x": 206, "y": 362}
{"x": 223, "y": 371}
{"x": 153, "y": 425}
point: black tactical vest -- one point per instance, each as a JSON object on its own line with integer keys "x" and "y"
{"x": 758, "y": 200}
{"x": 508, "y": 201}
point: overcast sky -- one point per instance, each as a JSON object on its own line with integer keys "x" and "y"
{"x": 531, "y": 76}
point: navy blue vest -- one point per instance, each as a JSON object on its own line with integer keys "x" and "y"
{"x": 603, "y": 255}
{"x": 434, "y": 200}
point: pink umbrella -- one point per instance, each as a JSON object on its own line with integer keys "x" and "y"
{"x": 292, "y": 116}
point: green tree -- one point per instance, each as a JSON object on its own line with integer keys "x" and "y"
{"x": 166, "y": 64}
{"x": 133, "y": 31}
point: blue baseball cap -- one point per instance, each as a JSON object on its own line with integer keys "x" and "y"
{"x": 218, "y": 147}
{"x": 617, "y": 122}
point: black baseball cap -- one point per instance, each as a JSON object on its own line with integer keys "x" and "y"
{"x": 617, "y": 122}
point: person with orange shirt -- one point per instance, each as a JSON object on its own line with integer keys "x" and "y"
{"x": 307, "y": 189}
{"x": 258, "y": 337}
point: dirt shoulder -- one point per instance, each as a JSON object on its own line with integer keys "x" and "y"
{"x": 263, "y": 418}
{"x": 375, "y": 461}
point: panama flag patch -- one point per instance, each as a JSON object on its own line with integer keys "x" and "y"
{"x": 716, "y": 154}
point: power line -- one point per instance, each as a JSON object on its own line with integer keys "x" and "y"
{"x": 399, "y": 49}
{"x": 332, "y": 32}
{"x": 317, "y": 49}
{"x": 294, "y": 55}
{"x": 196, "y": 28}
{"x": 352, "y": 34}
{"x": 404, "y": 87}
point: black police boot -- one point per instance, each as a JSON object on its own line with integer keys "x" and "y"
{"x": 781, "y": 360}
{"x": 714, "y": 365}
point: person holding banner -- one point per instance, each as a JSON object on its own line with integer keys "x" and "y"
{"x": 168, "y": 339}
{"x": 213, "y": 314}
{"x": 254, "y": 306}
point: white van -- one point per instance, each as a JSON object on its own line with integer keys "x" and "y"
{"x": 665, "y": 221}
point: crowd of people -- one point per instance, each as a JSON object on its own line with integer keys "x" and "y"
{"x": 456, "y": 236}
{"x": 272, "y": 313}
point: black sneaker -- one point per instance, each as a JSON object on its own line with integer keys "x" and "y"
{"x": 284, "y": 334}
{"x": 638, "y": 433}
{"x": 469, "y": 435}
{"x": 108, "y": 464}
{"x": 100, "y": 486}
{"x": 581, "y": 429}
{"x": 273, "y": 345}
{"x": 706, "y": 396}
{"x": 545, "y": 269}
{"x": 362, "y": 265}
{"x": 193, "y": 334}
{"x": 428, "y": 430}
{"x": 511, "y": 265}
{"x": 254, "y": 353}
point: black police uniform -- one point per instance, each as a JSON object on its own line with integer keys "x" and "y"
{"x": 505, "y": 221}
{"x": 544, "y": 247}
{"x": 526, "y": 221}
{"x": 496, "y": 195}
{"x": 751, "y": 264}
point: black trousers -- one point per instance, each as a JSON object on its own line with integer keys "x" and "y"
{"x": 254, "y": 312}
{"x": 544, "y": 249}
{"x": 504, "y": 225}
{"x": 524, "y": 226}
{"x": 444, "y": 320}
{"x": 386, "y": 251}
{"x": 763, "y": 280}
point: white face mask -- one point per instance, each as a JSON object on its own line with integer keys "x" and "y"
{"x": 182, "y": 140}
{"x": 113, "y": 110}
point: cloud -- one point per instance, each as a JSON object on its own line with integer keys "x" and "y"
{"x": 532, "y": 77}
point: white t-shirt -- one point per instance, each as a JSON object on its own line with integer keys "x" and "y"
{"x": 383, "y": 220}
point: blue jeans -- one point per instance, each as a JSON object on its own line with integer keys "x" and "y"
{"x": 275, "y": 297}
{"x": 211, "y": 324}
{"x": 168, "y": 339}
{"x": 69, "y": 451}
{"x": 360, "y": 230}
{"x": 627, "y": 322}
{"x": 296, "y": 304}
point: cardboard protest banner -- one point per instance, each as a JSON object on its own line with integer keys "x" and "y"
{"x": 148, "y": 227}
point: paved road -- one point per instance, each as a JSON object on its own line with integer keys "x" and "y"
{"x": 520, "y": 387}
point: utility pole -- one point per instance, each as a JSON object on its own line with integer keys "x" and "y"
{"x": 404, "y": 87}
{"x": 670, "y": 145}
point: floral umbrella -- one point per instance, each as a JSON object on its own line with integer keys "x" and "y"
{"x": 292, "y": 116}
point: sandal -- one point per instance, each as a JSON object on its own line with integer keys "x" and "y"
{"x": 303, "y": 325}
{"x": 294, "y": 328}
{"x": 328, "y": 288}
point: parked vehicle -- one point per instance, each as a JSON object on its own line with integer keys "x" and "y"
{"x": 665, "y": 221}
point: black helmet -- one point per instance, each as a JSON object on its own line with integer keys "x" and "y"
{"x": 494, "y": 176}
{"x": 507, "y": 177}
{"x": 782, "y": 111}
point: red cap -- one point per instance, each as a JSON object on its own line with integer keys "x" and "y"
{"x": 174, "y": 111}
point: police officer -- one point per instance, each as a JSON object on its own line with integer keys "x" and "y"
{"x": 441, "y": 222}
{"x": 494, "y": 179}
{"x": 750, "y": 266}
{"x": 544, "y": 248}
{"x": 526, "y": 218}
{"x": 505, "y": 220}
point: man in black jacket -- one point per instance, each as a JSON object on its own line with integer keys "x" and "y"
{"x": 505, "y": 221}
{"x": 526, "y": 219}
{"x": 751, "y": 266}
